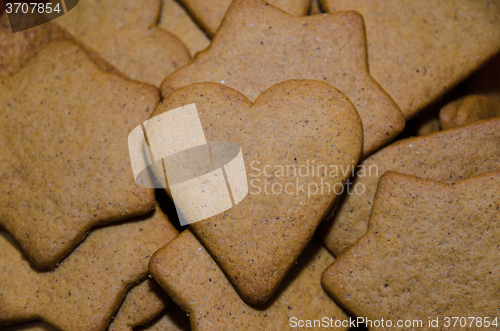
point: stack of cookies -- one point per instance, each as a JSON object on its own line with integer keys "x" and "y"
{"x": 369, "y": 141}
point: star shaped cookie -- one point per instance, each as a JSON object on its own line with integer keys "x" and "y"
{"x": 432, "y": 250}
{"x": 64, "y": 164}
{"x": 258, "y": 46}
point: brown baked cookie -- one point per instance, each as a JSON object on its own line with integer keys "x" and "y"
{"x": 428, "y": 125}
{"x": 17, "y": 48}
{"x": 33, "y": 326}
{"x": 209, "y": 13}
{"x": 86, "y": 289}
{"x": 124, "y": 33}
{"x": 315, "y": 8}
{"x": 481, "y": 100}
{"x": 141, "y": 305}
{"x": 447, "y": 156}
{"x": 196, "y": 283}
{"x": 427, "y": 121}
{"x": 470, "y": 109}
{"x": 297, "y": 125}
{"x": 172, "y": 319}
{"x": 174, "y": 19}
{"x": 416, "y": 48}
{"x": 431, "y": 251}
{"x": 64, "y": 164}
{"x": 258, "y": 46}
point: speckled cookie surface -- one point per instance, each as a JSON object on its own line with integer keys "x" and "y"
{"x": 447, "y": 156}
{"x": 124, "y": 33}
{"x": 142, "y": 304}
{"x": 196, "y": 283}
{"x": 86, "y": 289}
{"x": 428, "y": 126}
{"x": 315, "y": 8}
{"x": 64, "y": 164}
{"x": 431, "y": 250}
{"x": 18, "y": 48}
{"x": 172, "y": 319}
{"x": 418, "y": 50}
{"x": 32, "y": 326}
{"x": 258, "y": 46}
{"x": 293, "y": 124}
{"x": 209, "y": 13}
{"x": 174, "y": 19}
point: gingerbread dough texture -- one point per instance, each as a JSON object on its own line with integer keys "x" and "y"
{"x": 64, "y": 164}
{"x": 194, "y": 281}
{"x": 417, "y": 49}
{"x": 290, "y": 126}
{"x": 447, "y": 156}
{"x": 258, "y": 46}
{"x": 86, "y": 289}
{"x": 424, "y": 235}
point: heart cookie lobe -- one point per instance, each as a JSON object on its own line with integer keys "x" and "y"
{"x": 300, "y": 141}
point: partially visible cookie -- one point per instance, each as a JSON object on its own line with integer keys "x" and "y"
{"x": 17, "y": 48}
{"x": 142, "y": 304}
{"x": 209, "y": 13}
{"x": 172, "y": 319}
{"x": 416, "y": 48}
{"x": 428, "y": 126}
{"x": 86, "y": 289}
{"x": 174, "y": 19}
{"x": 64, "y": 164}
{"x": 427, "y": 121}
{"x": 124, "y": 33}
{"x": 470, "y": 109}
{"x": 258, "y": 46}
{"x": 447, "y": 156}
{"x": 298, "y": 124}
{"x": 32, "y": 326}
{"x": 315, "y": 8}
{"x": 481, "y": 99}
{"x": 431, "y": 251}
{"x": 197, "y": 284}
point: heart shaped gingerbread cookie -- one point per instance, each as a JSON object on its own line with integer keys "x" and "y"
{"x": 299, "y": 140}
